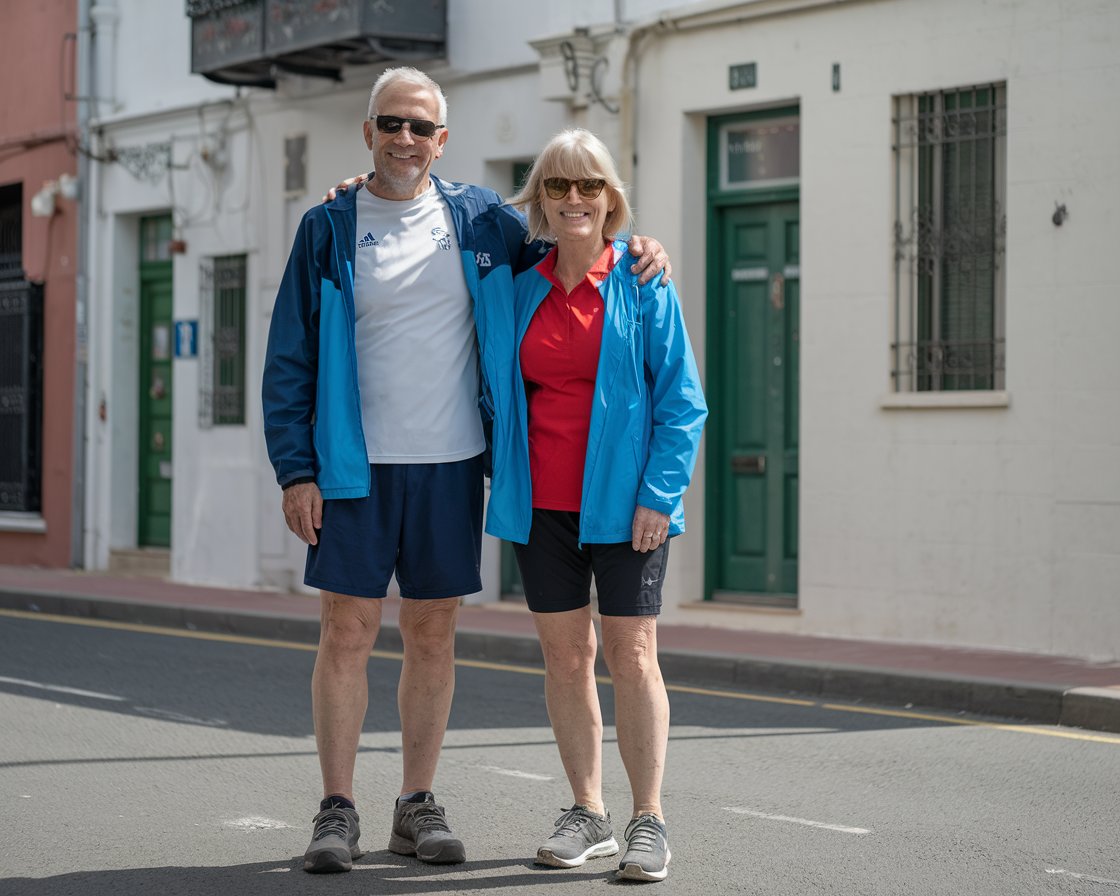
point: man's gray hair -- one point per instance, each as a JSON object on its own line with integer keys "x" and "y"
{"x": 407, "y": 75}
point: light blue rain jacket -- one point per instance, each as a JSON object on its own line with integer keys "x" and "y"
{"x": 646, "y": 419}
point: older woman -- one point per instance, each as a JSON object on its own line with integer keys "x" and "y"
{"x": 598, "y": 411}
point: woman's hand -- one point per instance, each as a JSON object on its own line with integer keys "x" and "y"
{"x": 650, "y": 529}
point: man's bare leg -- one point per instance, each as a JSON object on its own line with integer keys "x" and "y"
{"x": 339, "y": 692}
{"x": 424, "y": 694}
{"x": 426, "y": 687}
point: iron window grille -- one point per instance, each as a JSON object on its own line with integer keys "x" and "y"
{"x": 950, "y": 229}
{"x": 21, "y": 366}
{"x": 222, "y": 341}
{"x": 21, "y": 395}
{"x": 11, "y": 232}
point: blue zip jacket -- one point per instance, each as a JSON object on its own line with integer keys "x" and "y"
{"x": 646, "y": 418}
{"x": 310, "y": 398}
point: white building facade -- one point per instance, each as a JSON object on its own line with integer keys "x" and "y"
{"x": 889, "y": 223}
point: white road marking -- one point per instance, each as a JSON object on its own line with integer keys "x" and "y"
{"x": 514, "y": 773}
{"x": 1088, "y": 877}
{"x": 805, "y": 821}
{"x": 170, "y": 716}
{"x": 257, "y": 823}
{"x": 59, "y": 689}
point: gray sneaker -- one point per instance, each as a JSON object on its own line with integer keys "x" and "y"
{"x": 647, "y": 850}
{"x": 334, "y": 845}
{"x": 421, "y": 830}
{"x": 580, "y": 835}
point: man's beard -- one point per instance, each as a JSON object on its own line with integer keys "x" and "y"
{"x": 399, "y": 183}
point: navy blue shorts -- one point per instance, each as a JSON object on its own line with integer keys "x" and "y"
{"x": 556, "y": 571}
{"x": 421, "y": 521}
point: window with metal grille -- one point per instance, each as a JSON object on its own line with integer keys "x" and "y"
{"x": 222, "y": 399}
{"x": 11, "y": 232}
{"x": 950, "y": 224}
{"x": 21, "y": 366}
{"x": 21, "y": 395}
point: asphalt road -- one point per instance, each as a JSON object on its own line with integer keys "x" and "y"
{"x": 134, "y": 760}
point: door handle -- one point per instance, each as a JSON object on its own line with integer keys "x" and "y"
{"x": 748, "y": 463}
{"x": 778, "y": 292}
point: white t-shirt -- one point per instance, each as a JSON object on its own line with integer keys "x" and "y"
{"x": 414, "y": 333}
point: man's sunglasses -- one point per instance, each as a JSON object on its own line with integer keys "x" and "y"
{"x": 587, "y": 187}
{"x": 420, "y": 128}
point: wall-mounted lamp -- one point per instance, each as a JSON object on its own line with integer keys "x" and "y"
{"x": 68, "y": 186}
{"x": 44, "y": 203}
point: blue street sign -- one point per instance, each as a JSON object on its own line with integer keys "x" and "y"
{"x": 186, "y": 339}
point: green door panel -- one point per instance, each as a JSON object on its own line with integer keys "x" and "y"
{"x": 753, "y": 447}
{"x": 155, "y": 398}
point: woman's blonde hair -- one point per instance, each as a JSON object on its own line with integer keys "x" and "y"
{"x": 575, "y": 154}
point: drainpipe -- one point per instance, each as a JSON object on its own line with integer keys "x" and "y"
{"x": 628, "y": 103}
{"x": 104, "y": 16}
{"x": 81, "y": 298}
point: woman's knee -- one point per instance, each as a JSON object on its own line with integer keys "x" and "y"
{"x": 630, "y": 647}
{"x": 569, "y": 658}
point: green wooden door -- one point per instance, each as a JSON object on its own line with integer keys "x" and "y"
{"x": 154, "y": 495}
{"x": 752, "y": 471}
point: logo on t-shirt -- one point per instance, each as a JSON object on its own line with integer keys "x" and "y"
{"x": 368, "y": 240}
{"x": 442, "y": 237}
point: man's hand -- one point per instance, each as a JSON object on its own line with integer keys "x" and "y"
{"x": 650, "y": 529}
{"x": 652, "y": 259}
{"x": 303, "y": 511}
{"x": 359, "y": 179}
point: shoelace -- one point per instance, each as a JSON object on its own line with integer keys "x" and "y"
{"x": 571, "y": 821}
{"x": 331, "y": 821}
{"x": 644, "y": 834}
{"x": 428, "y": 817}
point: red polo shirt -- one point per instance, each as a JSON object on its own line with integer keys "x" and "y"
{"x": 559, "y": 359}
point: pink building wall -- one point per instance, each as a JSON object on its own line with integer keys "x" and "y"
{"x": 37, "y": 144}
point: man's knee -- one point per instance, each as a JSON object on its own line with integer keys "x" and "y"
{"x": 429, "y": 625}
{"x": 349, "y": 625}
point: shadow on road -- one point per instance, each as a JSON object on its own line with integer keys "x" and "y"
{"x": 379, "y": 872}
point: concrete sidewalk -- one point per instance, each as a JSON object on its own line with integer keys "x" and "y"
{"x": 1036, "y": 688}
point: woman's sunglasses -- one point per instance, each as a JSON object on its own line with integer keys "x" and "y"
{"x": 587, "y": 187}
{"x": 420, "y": 128}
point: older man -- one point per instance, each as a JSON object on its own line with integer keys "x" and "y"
{"x": 370, "y": 396}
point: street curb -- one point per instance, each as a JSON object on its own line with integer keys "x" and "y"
{"x": 1091, "y": 708}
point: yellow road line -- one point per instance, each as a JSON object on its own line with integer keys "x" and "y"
{"x": 1069, "y": 734}
{"x": 739, "y": 695}
{"x": 178, "y": 632}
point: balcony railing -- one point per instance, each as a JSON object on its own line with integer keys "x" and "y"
{"x": 247, "y": 42}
